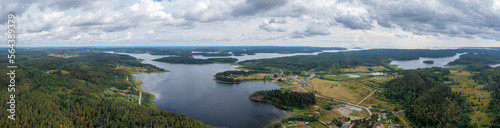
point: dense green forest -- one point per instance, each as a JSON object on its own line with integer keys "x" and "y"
{"x": 334, "y": 61}
{"x": 428, "y": 62}
{"x": 428, "y": 101}
{"x": 491, "y": 78}
{"x": 285, "y": 98}
{"x": 188, "y": 60}
{"x": 70, "y": 92}
{"x": 482, "y": 57}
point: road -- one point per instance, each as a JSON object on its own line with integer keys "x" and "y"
{"x": 369, "y": 112}
{"x": 140, "y": 98}
{"x": 367, "y": 96}
{"x": 401, "y": 119}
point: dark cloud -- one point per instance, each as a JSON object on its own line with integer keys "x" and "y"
{"x": 16, "y": 7}
{"x": 19, "y": 7}
{"x": 456, "y": 18}
{"x": 68, "y": 4}
{"x": 251, "y": 7}
{"x": 312, "y": 30}
{"x": 354, "y": 22}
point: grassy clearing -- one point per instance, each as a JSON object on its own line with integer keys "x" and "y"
{"x": 327, "y": 116}
{"x": 477, "y": 97}
{"x": 354, "y": 91}
{"x": 62, "y": 71}
{"x": 362, "y": 113}
{"x": 334, "y": 89}
{"x": 363, "y": 69}
{"x": 63, "y": 55}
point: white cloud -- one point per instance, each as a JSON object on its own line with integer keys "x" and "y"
{"x": 150, "y": 32}
{"x": 225, "y": 21}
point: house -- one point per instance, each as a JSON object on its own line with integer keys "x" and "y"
{"x": 289, "y": 122}
{"x": 345, "y": 125}
{"x": 329, "y": 123}
{"x": 384, "y": 116}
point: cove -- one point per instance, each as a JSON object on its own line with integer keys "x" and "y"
{"x": 190, "y": 90}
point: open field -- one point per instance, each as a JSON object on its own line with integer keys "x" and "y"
{"x": 258, "y": 76}
{"x": 63, "y": 55}
{"x": 62, "y": 71}
{"x": 363, "y": 69}
{"x": 334, "y": 89}
{"x": 352, "y": 90}
{"x": 477, "y": 97}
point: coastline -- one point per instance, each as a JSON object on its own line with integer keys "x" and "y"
{"x": 148, "y": 97}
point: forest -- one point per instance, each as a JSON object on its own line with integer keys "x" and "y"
{"x": 188, "y": 60}
{"x": 478, "y": 57}
{"x": 285, "y": 99}
{"x": 491, "y": 78}
{"x": 69, "y": 92}
{"x": 186, "y": 51}
{"x": 334, "y": 61}
{"x": 422, "y": 93}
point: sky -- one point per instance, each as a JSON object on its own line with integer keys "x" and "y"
{"x": 324, "y": 23}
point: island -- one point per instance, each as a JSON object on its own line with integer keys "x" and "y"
{"x": 189, "y": 60}
{"x": 429, "y": 62}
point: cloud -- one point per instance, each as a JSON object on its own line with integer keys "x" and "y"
{"x": 312, "y": 30}
{"x": 110, "y": 20}
{"x": 21, "y": 6}
{"x": 208, "y": 11}
{"x": 449, "y": 17}
{"x": 150, "y": 32}
{"x": 273, "y": 25}
{"x": 251, "y": 7}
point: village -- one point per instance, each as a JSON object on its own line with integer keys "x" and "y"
{"x": 348, "y": 110}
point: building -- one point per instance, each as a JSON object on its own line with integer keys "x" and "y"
{"x": 345, "y": 125}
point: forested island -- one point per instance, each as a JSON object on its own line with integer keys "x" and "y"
{"x": 428, "y": 62}
{"x": 285, "y": 99}
{"x": 239, "y": 76}
{"x": 188, "y": 60}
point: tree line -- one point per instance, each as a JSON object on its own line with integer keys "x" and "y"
{"x": 428, "y": 101}
{"x": 189, "y": 60}
{"x": 285, "y": 98}
{"x": 77, "y": 99}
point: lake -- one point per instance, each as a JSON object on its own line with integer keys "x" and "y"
{"x": 190, "y": 90}
{"x": 267, "y": 55}
{"x": 414, "y": 64}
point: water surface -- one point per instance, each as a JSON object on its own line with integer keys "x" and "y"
{"x": 190, "y": 90}
{"x": 414, "y": 64}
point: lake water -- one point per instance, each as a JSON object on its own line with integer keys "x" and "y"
{"x": 190, "y": 90}
{"x": 495, "y": 65}
{"x": 414, "y": 64}
{"x": 268, "y": 55}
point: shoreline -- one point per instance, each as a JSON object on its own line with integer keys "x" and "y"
{"x": 137, "y": 84}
